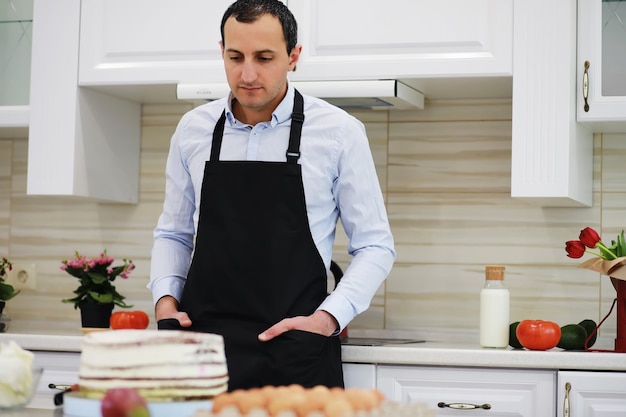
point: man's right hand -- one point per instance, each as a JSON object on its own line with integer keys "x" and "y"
{"x": 167, "y": 308}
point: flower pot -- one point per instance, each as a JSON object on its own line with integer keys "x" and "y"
{"x": 2, "y": 304}
{"x": 95, "y": 315}
{"x": 620, "y": 340}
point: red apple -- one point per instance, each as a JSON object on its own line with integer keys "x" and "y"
{"x": 124, "y": 402}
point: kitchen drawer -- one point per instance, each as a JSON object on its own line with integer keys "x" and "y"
{"x": 359, "y": 375}
{"x": 59, "y": 368}
{"x": 592, "y": 394}
{"x": 528, "y": 393}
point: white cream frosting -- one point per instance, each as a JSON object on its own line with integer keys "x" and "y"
{"x": 177, "y": 364}
{"x": 16, "y": 366}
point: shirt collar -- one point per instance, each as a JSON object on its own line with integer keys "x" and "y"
{"x": 281, "y": 114}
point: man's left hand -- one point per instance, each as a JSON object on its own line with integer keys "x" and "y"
{"x": 320, "y": 322}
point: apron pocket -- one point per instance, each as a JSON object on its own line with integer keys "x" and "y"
{"x": 306, "y": 358}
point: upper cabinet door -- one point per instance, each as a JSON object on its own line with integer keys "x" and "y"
{"x": 159, "y": 42}
{"x": 602, "y": 64}
{"x": 150, "y": 41}
{"x": 370, "y": 39}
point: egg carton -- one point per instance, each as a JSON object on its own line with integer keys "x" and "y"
{"x": 387, "y": 409}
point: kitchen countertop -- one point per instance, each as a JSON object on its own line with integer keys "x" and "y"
{"x": 460, "y": 354}
{"x": 429, "y": 353}
{"x": 450, "y": 350}
{"x": 34, "y": 412}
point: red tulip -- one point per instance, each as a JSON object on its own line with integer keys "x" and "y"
{"x": 575, "y": 248}
{"x": 589, "y": 237}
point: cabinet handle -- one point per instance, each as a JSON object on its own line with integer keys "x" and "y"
{"x": 59, "y": 387}
{"x": 568, "y": 387}
{"x": 463, "y": 406}
{"x": 586, "y": 85}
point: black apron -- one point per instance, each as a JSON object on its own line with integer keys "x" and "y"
{"x": 255, "y": 263}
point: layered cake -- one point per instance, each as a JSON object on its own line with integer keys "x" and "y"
{"x": 161, "y": 365}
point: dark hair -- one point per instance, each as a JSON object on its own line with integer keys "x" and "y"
{"x": 248, "y": 11}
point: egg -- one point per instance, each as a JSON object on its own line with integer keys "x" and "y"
{"x": 338, "y": 407}
{"x": 223, "y": 400}
{"x": 253, "y": 399}
{"x": 365, "y": 400}
{"x": 284, "y": 401}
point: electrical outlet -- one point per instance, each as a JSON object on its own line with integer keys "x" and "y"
{"x": 22, "y": 277}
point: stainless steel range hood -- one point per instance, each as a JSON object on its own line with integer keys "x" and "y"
{"x": 359, "y": 94}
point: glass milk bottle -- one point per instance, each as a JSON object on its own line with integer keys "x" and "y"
{"x": 494, "y": 309}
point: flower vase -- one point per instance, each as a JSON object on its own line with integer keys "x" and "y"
{"x": 620, "y": 340}
{"x": 95, "y": 315}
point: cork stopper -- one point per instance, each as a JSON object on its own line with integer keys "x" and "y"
{"x": 494, "y": 272}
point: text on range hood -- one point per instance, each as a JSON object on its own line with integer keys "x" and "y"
{"x": 368, "y": 94}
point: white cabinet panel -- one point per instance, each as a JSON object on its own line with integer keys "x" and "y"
{"x": 150, "y": 41}
{"x": 59, "y": 368}
{"x": 552, "y": 155}
{"x": 154, "y": 42}
{"x": 81, "y": 142}
{"x": 528, "y": 393}
{"x": 591, "y": 394}
{"x": 403, "y": 39}
{"x": 359, "y": 375}
{"x": 602, "y": 43}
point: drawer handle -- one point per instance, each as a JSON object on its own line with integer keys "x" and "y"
{"x": 59, "y": 387}
{"x": 586, "y": 85}
{"x": 464, "y": 406}
{"x": 566, "y": 410}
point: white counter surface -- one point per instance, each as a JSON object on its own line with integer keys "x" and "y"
{"x": 457, "y": 354}
{"x": 451, "y": 353}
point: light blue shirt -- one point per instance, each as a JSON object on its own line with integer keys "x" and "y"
{"x": 339, "y": 178}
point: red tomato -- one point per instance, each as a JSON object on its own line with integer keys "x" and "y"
{"x": 129, "y": 320}
{"x": 538, "y": 334}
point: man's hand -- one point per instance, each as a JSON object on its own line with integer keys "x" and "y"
{"x": 167, "y": 308}
{"x": 320, "y": 322}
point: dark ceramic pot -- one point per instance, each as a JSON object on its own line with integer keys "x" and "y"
{"x": 95, "y": 315}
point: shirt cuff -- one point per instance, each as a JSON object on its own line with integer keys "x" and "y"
{"x": 172, "y": 286}
{"x": 340, "y": 308}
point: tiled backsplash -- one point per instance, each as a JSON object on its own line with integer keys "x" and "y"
{"x": 445, "y": 172}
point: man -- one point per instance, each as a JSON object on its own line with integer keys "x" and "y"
{"x": 257, "y": 181}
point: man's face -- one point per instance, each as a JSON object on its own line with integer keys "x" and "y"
{"x": 256, "y": 62}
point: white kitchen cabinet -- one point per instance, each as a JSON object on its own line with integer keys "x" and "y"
{"x": 370, "y": 39}
{"x": 454, "y": 391}
{"x": 14, "y": 121}
{"x": 552, "y": 155}
{"x": 16, "y": 25}
{"x": 153, "y": 42}
{"x": 150, "y": 42}
{"x": 359, "y": 375}
{"x": 82, "y": 143}
{"x": 602, "y": 44}
{"x": 59, "y": 368}
{"x": 591, "y": 394}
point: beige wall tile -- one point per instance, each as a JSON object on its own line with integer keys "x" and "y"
{"x": 613, "y": 167}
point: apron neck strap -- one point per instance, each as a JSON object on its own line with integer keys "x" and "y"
{"x": 297, "y": 119}
{"x": 293, "y": 150}
{"x": 218, "y": 133}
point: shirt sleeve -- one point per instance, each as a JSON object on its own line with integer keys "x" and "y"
{"x": 173, "y": 235}
{"x": 364, "y": 218}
